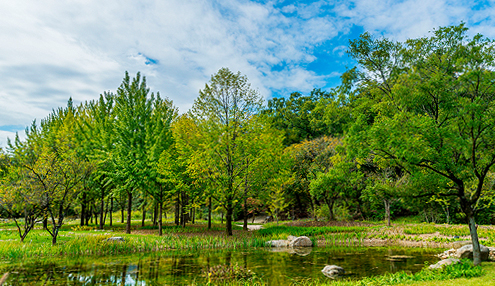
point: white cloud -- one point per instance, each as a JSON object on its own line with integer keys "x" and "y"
{"x": 53, "y": 50}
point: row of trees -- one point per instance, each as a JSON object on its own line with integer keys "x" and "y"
{"x": 412, "y": 124}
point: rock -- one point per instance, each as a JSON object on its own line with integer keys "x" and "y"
{"x": 290, "y": 238}
{"x": 277, "y": 243}
{"x": 467, "y": 252}
{"x": 301, "y": 251}
{"x": 302, "y": 241}
{"x": 115, "y": 238}
{"x": 447, "y": 253}
{"x": 444, "y": 262}
{"x": 492, "y": 253}
{"x": 332, "y": 271}
{"x": 459, "y": 244}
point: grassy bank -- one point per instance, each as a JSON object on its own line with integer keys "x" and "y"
{"x": 88, "y": 241}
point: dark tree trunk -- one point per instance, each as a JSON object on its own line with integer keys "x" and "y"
{"x": 177, "y": 210}
{"x": 144, "y": 215}
{"x": 129, "y": 212}
{"x": 244, "y": 225}
{"x": 330, "y": 203}
{"x": 83, "y": 209}
{"x": 95, "y": 213}
{"x": 229, "y": 218}
{"x": 193, "y": 215}
{"x": 102, "y": 206}
{"x": 111, "y": 210}
{"x": 122, "y": 215}
{"x": 155, "y": 214}
{"x": 160, "y": 222}
{"x": 45, "y": 222}
{"x": 209, "y": 213}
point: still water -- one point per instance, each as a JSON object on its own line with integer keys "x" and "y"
{"x": 184, "y": 268}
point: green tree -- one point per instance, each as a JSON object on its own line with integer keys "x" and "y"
{"x": 434, "y": 102}
{"x": 222, "y": 113}
{"x": 133, "y": 110}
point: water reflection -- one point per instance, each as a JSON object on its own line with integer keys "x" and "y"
{"x": 183, "y": 268}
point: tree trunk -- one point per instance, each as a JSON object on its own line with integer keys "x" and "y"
{"x": 129, "y": 212}
{"x": 160, "y": 225}
{"x": 144, "y": 215}
{"x": 95, "y": 213}
{"x": 209, "y": 213}
{"x": 111, "y": 210}
{"x": 102, "y": 206}
{"x": 474, "y": 238}
{"x": 177, "y": 210}
{"x": 155, "y": 214}
{"x": 83, "y": 209}
{"x": 193, "y": 215}
{"x": 229, "y": 218}
{"x": 244, "y": 225}
{"x": 330, "y": 203}
{"x": 387, "y": 211}
{"x": 122, "y": 214}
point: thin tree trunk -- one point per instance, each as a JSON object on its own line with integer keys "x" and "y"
{"x": 129, "y": 212}
{"x": 122, "y": 214}
{"x": 102, "y": 206}
{"x": 209, "y": 213}
{"x": 155, "y": 214}
{"x": 177, "y": 209}
{"x": 330, "y": 203}
{"x": 144, "y": 215}
{"x": 229, "y": 218}
{"x": 160, "y": 222}
{"x": 83, "y": 209}
{"x": 387, "y": 211}
{"x": 244, "y": 225}
{"x": 111, "y": 210}
{"x": 193, "y": 215}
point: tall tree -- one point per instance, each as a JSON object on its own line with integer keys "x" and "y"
{"x": 133, "y": 110}
{"x": 222, "y": 113}
{"x": 434, "y": 101}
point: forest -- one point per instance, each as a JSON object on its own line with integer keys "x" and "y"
{"x": 410, "y": 131}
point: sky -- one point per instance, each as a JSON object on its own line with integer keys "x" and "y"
{"x": 52, "y": 50}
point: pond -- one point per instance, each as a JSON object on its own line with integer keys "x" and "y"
{"x": 184, "y": 268}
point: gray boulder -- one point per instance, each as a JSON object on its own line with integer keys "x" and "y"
{"x": 444, "y": 262}
{"x": 302, "y": 241}
{"x": 277, "y": 243}
{"x": 115, "y": 238}
{"x": 467, "y": 252}
{"x": 459, "y": 244}
{"x": 332, "y": 271}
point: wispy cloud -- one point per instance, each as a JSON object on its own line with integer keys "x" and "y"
{"x": 53, "y": 50}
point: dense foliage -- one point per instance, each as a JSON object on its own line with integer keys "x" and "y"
{"x": 410, "y": 131}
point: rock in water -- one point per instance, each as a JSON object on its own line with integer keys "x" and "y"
{"x": 302, "y": 241}
{"x": 444, "y": 262}
{"x": 333, "y": 271}
{"x": 467, "y": 252}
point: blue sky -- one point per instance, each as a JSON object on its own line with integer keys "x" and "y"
{"x": 52, "y": 50}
